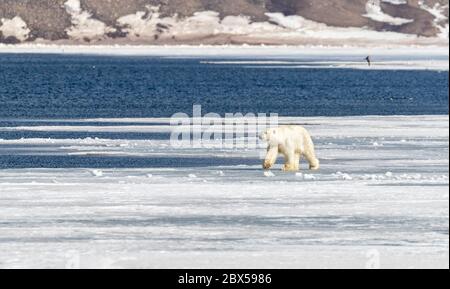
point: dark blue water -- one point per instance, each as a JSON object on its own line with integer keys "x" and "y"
{"x": 56, "y": 86}
{"x": 52, "y": 161}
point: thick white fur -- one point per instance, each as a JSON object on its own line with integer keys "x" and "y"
{"x": 292, "y": 142}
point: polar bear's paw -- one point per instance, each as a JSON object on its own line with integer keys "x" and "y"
{"x": 290, "y": 168}
{"x": 314, "y": 166}
{"x": 267, "y": 165}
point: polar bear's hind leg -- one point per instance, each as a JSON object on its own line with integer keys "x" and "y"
{"x": 314, "y": 163}
{"x": 298, "y": 157}
{"x": 310, "y": 153}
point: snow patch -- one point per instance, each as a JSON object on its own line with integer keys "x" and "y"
{"x": 374, "y": 12}
{"x": 14, "y": 27}
{"x": 97, "y": 173}
{"x": 73, "y": 6}
{"x": 305, "y": 177}
{"x": 343, "y": 176}
{"x": 205, "y": 22}
{"x": 395, "y": 2}
{"x": 440, "y": 20}
{"x": 269, "y": 174}
{"x": 141, "y": 24}
{"x": 83, "y": 26}
{"x": 149, "y": 24}
{"x": 297, "y": 27}
{"x": 308, "y": 177}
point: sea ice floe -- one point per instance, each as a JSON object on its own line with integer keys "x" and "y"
{"x": 343, "y": 176}
{"x": 308, "y": 177}
{"x": 220, "y": 173}
{"x": 269, "y": 174}
{"x": 97, "y": 173}
{"x": 244, "y": 212}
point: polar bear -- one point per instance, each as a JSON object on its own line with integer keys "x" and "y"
{"x": 291, "y": 141}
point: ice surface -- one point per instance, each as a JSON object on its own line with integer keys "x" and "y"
{"x": 375, "y": 65}
{"x": 369, "y": 206}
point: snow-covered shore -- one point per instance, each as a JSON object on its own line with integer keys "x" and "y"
{"x": 227, "y": 50}
{"x": 214, "y": 24}
{"x": 380, "y": 200}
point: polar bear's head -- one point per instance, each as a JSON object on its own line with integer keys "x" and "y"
{"x": 269, "y": 135}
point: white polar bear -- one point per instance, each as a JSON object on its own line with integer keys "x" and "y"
{"x": 293, "y": 142}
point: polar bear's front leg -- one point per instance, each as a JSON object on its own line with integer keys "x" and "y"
{"x": 271, "y": 157}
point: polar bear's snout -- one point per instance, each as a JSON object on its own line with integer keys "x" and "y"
{"x": 266, "y": 135}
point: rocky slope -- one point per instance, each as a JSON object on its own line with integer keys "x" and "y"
{"x": 218, "y": 21}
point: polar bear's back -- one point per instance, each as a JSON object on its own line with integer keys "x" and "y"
{"x": 296, "y": 130}
{"x": 299, "y": 135}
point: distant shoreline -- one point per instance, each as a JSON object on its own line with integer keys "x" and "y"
{"x": 225, "y": 50}
{"x": 385, "y": 58}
